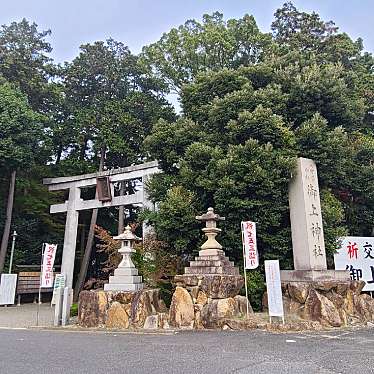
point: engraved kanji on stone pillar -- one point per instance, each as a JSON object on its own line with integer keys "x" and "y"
{"x": 306, "y": 218}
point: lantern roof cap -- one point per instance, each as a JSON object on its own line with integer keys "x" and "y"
{"x": 127, "y": 235}
{"x": 210, "y": 216}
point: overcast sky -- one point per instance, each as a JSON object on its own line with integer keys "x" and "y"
{"x": 140, "y": 22}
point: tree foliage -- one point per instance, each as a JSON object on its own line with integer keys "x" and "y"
{"x": 252, "y": 102}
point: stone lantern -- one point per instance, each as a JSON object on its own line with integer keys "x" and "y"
{"x": 126, "y": 276}
{"x": 215, "y": 274}
{"x": 211, "y": 247}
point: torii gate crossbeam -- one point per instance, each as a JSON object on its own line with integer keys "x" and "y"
{"x": 76, "y": 204}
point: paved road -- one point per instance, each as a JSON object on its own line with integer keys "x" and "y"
{"x": 42, "y": 352}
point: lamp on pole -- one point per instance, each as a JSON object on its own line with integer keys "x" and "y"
{"x": 14, "y": 235}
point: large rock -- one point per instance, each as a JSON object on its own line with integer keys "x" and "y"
{"x": 181, "y": 313}
{"x": 364, "y": 307}
{"x": 201, "y": 298}
{"x": 92, "y": 308}
{"x": 298, "y": 291}
{"x": 242, "y": 304}
{"x": 141, "y": 308}
{"x": 163, "y": 320}
{"x": 357, "y": 286}
{"x": 151, "y": 322}
{"x": 320, "y": 308}
{"x": 214, "y": 314}
{"x": 219, "y": 286}
{"x": 117, "y": 317}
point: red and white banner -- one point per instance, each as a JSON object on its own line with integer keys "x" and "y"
{"x": 249, "y": 245}
{"x": 48, "y": 262}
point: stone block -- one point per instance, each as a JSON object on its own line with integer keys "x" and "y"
{"x": 218, "y": 286}
{"x": 181, "y": 313}
{"x": 298, "y": 291}
{"x": 141, "y": 308}
{"x": 92, "y": 308}
{"x": 201, "y": 299}
{"x": 163, "y": 321}
{"x": 123, "y": 287}
{"x": 242, "y": 304}
{"x": 125, "y": 279}
{"x": 151, "y": 322}
{"x": 214, "y": 313}
{"x": 117, "y": 317}
{"x": 125, "y": 271}
{"x": 319, "y": 308}
{"x": 314, "y": 275}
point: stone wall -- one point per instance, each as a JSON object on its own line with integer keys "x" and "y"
{"x": 332, "y": 303}
{"x": 120, "y": 309}
{"x": 192, "y": 309}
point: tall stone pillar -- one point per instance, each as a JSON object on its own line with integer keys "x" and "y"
{"x": 308, "y": 243}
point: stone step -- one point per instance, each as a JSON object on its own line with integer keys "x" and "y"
{"x": 123, "y": 287}
{"x": 125, "y": 279}
{"x": 211, "y": 263}
{"x": 125, "y": 271}
{"x": 211, "y": 252}
{"x": 212, "y": 270}
{"x": 210, "y": 258}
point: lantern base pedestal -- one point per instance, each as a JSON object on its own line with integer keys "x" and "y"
{"x": 123, "y": 287}
{"x": 314, "y": 275}
{"x": 124, "y": 279}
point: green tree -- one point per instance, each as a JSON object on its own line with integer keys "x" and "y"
{"x": 21, "y": 134}
{"x": 24, "y": 61}
{"x": 113, "y": 100}
{"x": 243, "y": 127}
{"x": 212, "y": 44}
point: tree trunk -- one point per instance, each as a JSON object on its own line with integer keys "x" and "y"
{"x": 8, "y": 221}
{"x": 121, "y": 211}
{"x": 59, "y": 154}
{"x": 90, "y": 239}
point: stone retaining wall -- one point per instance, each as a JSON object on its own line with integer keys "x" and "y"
{"x": 120, "y": 309}
{"x": 191, "y": 308}
{"x": 332, "y": 303}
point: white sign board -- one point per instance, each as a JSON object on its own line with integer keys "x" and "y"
{"x": 249, "y": 245}
{"x": 47, "y": 267}
{"x": 274, "y": 290}
{"x": 356, "y": 255}
{"x": 8, "y": 289}
{"x": 59, "y": 283}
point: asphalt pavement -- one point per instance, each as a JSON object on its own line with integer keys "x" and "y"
{"x": 59, "y": 351}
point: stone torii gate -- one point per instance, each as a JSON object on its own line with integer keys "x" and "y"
{"x": 104, "y": 183}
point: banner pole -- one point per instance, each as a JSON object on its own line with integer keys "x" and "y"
{"x": 245, "y": 272}
{"x": 40, "y": 286}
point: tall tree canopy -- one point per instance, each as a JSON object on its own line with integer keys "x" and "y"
{"x": 212, "y": 44}
{"x": 243, "y": 126}
{"x": 252, "y": 103}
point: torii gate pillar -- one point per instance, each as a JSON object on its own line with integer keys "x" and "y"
{"x": 75, "y": 204}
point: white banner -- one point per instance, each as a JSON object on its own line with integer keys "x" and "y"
{"x": 47, "y": 267}
{"x": 356, "y": 255}
{"x": 249, "y": 245}
{"x": 274, "y": 290}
